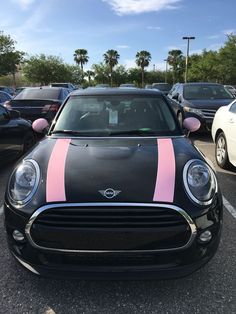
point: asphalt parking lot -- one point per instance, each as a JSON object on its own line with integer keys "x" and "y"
{"x": 211, "y": 289}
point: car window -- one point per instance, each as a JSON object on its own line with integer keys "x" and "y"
{"x": 38, "y": 93}
{"x": 3, "y": 114}
{"x": 162, "y": 87}
{"x": 2, "y": 97}
{"x": 233, "y": 108}
{"x": 106, "y": 115}
{"x": 206, "y": 91}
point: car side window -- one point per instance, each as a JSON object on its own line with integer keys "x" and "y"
{"x": 233, "y": 108}
{"x": 3, "y": 114}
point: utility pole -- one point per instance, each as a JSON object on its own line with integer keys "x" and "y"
{"x": 166, "y": 61}
{"x": 187, "y": 56}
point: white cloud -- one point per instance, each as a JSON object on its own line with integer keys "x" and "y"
{"x": 125, "y": 7}
{"x": 24, "y": 4}
{"x": 156, "y": 28}
{"x": 229, "y": 31}
{"x": 122, "y": 46}
{"x": 214, "y": 47}
{"x": 129, "y": 63}
{"x": 172, "y": 48}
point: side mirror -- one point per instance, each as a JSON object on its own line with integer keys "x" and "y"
{"x": 14, "y": 114}
{"x": 175, "y": 96}
{"x": 191, "y": 124}
{"x": 40, "y": 125}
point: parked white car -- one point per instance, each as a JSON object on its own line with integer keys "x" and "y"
{"x": 224, "y": 135}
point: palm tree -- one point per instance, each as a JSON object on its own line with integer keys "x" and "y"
{"x": 81, "y": 57}
{"x": 89, "y": 74}
{"x": 143, "y": 59}
{"x": 176, "y": 61}
{"x": 111, "y": 59}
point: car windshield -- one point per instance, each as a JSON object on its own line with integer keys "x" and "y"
{"x": 38, "y": 93}
{"x": 116, "y": 115}
{"x": 162, "y": 87}
{"x": 206, "y": 91}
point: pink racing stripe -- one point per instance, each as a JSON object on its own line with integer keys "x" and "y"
{"x": 55, "y": 184}
{"x": 165, "y": 180}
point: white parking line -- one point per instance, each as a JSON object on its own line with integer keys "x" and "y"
{"x": 229, "y": 207}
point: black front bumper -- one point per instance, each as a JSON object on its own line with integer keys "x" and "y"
{"x": 115, "y": 265}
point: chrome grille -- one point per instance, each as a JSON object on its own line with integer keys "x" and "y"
{"x": 208, "y": 113}
{"x": 110, "y": 227}
{"x": 121, "y": 217}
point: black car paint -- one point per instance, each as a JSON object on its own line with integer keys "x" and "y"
{"x": 32, "y": 109}
{"x": 177, "y": 98}
{"x": 13, "y": 131}
{"x": 130, "y": 166}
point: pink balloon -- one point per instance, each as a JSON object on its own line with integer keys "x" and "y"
{"x": 191, "y": 124}
{"x": 40, "y": 125}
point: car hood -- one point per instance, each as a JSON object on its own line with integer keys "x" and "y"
{"x": 208, "y": 103}
{"x": 112, "y": 170}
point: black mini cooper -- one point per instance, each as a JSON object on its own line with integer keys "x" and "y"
{"x": 114, "y": 190}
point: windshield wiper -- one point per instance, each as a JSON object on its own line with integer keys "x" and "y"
{"x": 78, "y": 133}
{"x": 134, "y": 132}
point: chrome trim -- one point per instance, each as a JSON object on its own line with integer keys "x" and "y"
{"x": 19, "y": 204}
{"x": 26, "y": 265}
{"x": 186, "y": 186}
{"x": 187, "y": 218}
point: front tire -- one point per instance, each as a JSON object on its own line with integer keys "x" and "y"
{"x": 221, "y": 151}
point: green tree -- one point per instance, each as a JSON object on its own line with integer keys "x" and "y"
{"x": 143, "y": 59}
{"x": 111, "y": 58}
{"x": 120, "y": 75}
{"x": 176, "y": 61}
{"x": 89, "y": 74}
{"x": 81, "y": 58}
{"x": 46, "y": 69}
{"x": 204, "y": 67}
{"x": 10, "y": 58}
{"x": 101, "y": 73}
{"x": 227, "y": 60}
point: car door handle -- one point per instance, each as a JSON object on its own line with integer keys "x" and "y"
{"x": 231, "y": 120}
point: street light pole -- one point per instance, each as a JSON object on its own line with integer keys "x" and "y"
{"x": 166, "y": 60}
{"x": 187, "y": 55}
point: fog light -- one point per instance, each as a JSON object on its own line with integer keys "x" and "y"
{"x": 18, "y": 236}
{"x": 205, "y": 236}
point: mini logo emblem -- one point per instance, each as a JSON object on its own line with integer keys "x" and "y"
{"x": 109, "y": 193}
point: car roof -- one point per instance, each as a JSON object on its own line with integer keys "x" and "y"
{"x": 116, "y": 91}
{"x": 201, "y": 83}
{"x": 47, "y": 87}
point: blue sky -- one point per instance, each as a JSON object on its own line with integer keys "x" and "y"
{"x": 58, "y": 27}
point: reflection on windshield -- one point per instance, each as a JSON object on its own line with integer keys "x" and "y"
{"x": 206, "y": 92}
{"x": 116, "y": 115}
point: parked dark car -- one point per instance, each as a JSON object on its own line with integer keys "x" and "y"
{"x": 114, "y": 190}
{"x": 128, "y": 85}
{"x": 163, "y": 87}
{"x": 70, "y": 86}
{"x": 7, "y": 89}
{"x": 4, "y": 97}
{"x": 38, "y": 102}
{"x": 201, "y": 100}
{"x": 16, "y": 135}
{"x": 231, "y": 89}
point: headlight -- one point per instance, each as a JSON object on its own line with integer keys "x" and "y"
{"x": 193, "y": 110}
{"x": 199, "y": 181}
{"x": 24, "y": 182}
